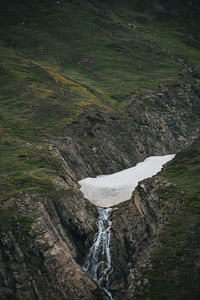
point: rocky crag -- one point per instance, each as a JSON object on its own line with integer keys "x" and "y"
{"x": 166, "y": 263}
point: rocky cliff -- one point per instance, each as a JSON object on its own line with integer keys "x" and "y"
{"x": 136, "y": 223}
{"x": 167, "y": 264}
{"x": 43, "y": 239}
{"x": 160, "y": 121}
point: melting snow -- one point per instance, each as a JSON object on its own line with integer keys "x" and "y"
{"x": 109, "y": 190}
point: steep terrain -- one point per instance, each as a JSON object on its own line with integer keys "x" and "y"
{"x": 92, "y": 87}
{"x": 171, "y": 271}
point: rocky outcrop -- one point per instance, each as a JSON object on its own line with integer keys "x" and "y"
{"x": 156, "y": 122}
{"x": 43, "y": 240}
{"x": 171, "y": 260}
{"x": 136, "y": 223}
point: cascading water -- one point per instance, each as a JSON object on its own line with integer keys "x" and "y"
{"x": 98, "y": 261}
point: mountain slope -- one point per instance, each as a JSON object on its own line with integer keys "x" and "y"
{"x": 116, "y": 48}
{"x": 87, "y": 87}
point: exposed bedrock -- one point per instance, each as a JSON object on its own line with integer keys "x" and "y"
{"x": 39, "y": 260}
{"x": 157, "y": 122}
{"x": 136, "y": 223}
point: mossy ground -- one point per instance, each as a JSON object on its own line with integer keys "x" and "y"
{"x": 175, "y": 272}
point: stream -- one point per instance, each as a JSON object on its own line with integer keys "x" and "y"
{"x": 98, "y": 261}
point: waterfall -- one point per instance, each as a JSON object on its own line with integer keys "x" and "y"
{"x": 98, "y": 261}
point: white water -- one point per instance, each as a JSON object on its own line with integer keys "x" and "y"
{"x": 98, "y": 261}
{"x": 109, "y": 190}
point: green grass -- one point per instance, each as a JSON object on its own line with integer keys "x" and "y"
{"x": 25, "y": 166}
{"x": 35, "y": 103}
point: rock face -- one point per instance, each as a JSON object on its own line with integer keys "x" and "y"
{"x": 174, "y": 257}
{"x": 156, "y": 122}
{"x": 136, "y": 223}
{"x": 43, "y": 243}
{"x": 49, "y": 271}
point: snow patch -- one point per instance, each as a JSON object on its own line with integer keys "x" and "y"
{"x": 109, "y": 190}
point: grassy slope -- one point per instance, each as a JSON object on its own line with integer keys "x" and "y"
{"x": 35, "y": 102}
{"x": 103, "y": 52}
{"x": 175, "y": 272}
{"x": 58, "y": 59}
